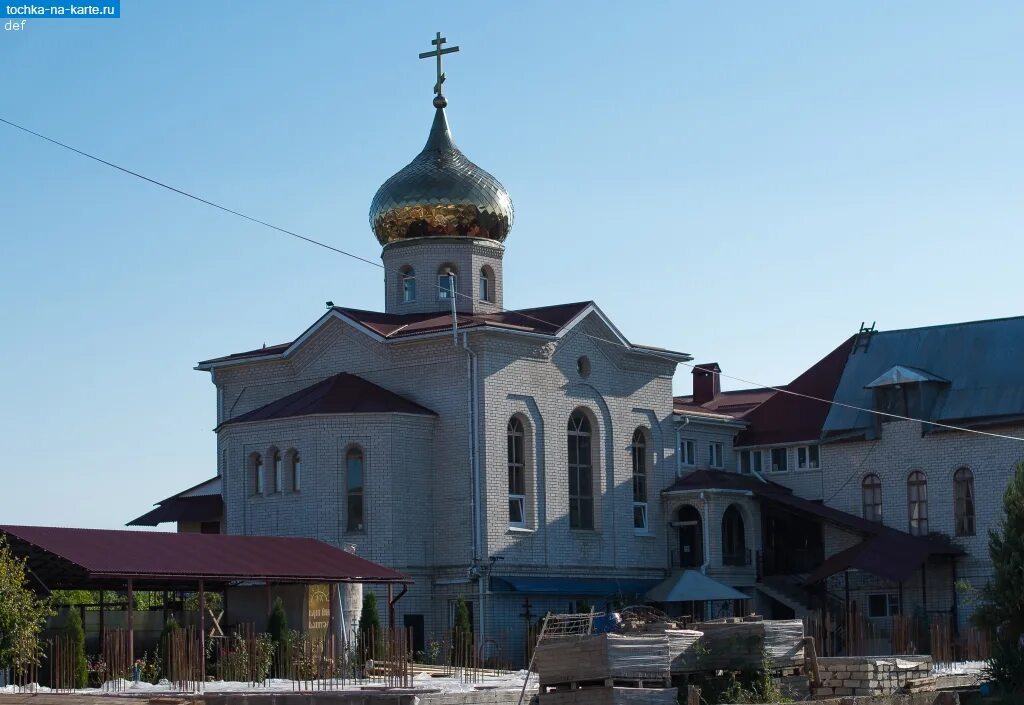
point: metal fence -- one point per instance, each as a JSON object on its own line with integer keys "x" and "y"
{"x": 853, "y": 634}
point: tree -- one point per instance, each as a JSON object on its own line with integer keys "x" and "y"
{"x": 1002, "y": 601}
{"x": 462, "y": 633}
{"x": 277, "y": 626}
{"x": 22, "y": 613}
{"x": 76, "y": 640}
{"x": 369, "y": 626}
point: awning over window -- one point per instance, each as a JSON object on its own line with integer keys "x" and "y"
{"x": 571, "y": 587}
{"x": 692, "y": 586}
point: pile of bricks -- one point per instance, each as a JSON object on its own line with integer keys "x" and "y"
{"x": 871, "y": 675}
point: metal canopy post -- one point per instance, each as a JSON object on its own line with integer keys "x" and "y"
{"x": 202, "y": 628}
{"x": 131, "y": 622}
{"x": 391, "y": 609}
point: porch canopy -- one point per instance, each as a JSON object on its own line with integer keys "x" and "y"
{"x": 893, "y": 556}
{"x": 100, "y": 559}
{"x": 692, "y": 586}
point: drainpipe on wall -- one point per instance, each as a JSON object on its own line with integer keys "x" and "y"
{"x": 707, "y": 536}
{"x": 473, "y": 371}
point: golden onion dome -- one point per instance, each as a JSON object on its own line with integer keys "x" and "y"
{"x": 441, "y": 193}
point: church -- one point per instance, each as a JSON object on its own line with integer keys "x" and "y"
{"x": 489, "y": 453}
{"x": 535, "y": 460}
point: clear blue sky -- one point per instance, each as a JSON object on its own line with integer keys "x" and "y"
{"x": 746, "y": 182}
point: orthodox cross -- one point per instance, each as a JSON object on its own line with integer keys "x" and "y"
{"x": 438, "y": 52}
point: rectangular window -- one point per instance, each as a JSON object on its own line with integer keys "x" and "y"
{"x": 640, "y": 516}
{"x": 717, "y": 451}
{"x": 883, "y": 605}
{"x": 687, "y": 452}
{"x": 807, "y": 458}
{"x": 750, "y": 461}
{"x": 780, "y": 459}
{"x": 408, "y": 289}
{"x": 485, "y": 289}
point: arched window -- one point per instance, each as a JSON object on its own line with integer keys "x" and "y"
{"x": 408, "y": 278}
{"x": 691, "y": 537}
{"x": 871, "y": 497}
{"x": 447, "y": 282}
{"x": 917, "y": 503}
{"x": 638, "y": 451}
{"x": 278, "y": 470}
{"x": 354, "y": 490}
{"x": 516, "y": 473}
{"x": 963, "y": 510}
{"x": 296, "y": 471}
{"x": 257, "y": 473}
{"x": 581, "y": 473}
{"x": 486, "y": 284}
{"x": 734, "y": 539}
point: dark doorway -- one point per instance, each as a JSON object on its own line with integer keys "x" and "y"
{"x": 734, "y": 540}
{"x": 419, "y": 639}
{"x": 691, "y": 537}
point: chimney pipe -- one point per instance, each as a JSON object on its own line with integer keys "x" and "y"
{"x": 707, "y": 382}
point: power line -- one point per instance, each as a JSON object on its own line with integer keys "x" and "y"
{"x": 781, "y": 390}
{"x": 186, "y": 194}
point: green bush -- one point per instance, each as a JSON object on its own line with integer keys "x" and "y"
{"x": 369, "y": 628}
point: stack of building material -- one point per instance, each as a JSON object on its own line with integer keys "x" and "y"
{"x": 743, "y": 644}
{"x": 872, "y": 675}
{"x": 784, "y": 642}
{"x": 597, "y": 657}
{"x": 605, "y": 669}
{"x": 684, "y": 650}
{"x": 731, "y": 645}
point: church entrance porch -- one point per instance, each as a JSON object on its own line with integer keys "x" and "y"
{"x": 691, "y": 537}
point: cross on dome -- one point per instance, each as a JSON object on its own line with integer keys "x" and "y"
{"x": 438, "y": 52}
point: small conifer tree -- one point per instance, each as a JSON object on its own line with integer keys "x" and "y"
{"x": 75, "y": 633}
{"x": 277, "y": 626}
{"x": 462, "y": 633}
{"x": 1002, "y": 600}
{"x": 369, "y": 627}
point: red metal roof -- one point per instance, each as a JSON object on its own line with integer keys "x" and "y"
{"x": 544, "y": 319}
{"x": 81, "y": 557}
{"x": 205, "y": 507}
{"x": 894, "y": 558}
{"x": 342, "y": 393}
{"x": 734, "y": 403}
{"x": 785, "y": 418}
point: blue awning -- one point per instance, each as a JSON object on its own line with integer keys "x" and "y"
{"x": 572, "y": 587}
